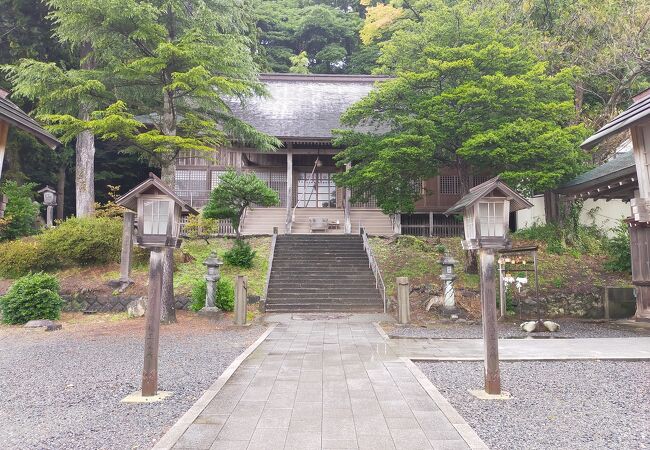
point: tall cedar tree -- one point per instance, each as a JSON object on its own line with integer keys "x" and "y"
{"x": 466, "y": 95}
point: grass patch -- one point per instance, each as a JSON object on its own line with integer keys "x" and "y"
{"x": 187, "y": 273}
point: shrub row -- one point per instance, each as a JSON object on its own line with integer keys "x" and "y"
{"x": 74, "y": 242}
{"x": 32, "y": 297}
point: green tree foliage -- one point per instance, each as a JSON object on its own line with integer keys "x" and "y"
{"x": 467, "y": 95}
{"x": 21, "y": 211}
{"x": 617, "y": 248}
{"x": 240, "y": 255}
{"x": 236, "y": 192}
{"x": 326, "y": 31}
{"x": 32, "y": 297}
{"x": 225, "y": 295}
{"x": 162, "y": 73}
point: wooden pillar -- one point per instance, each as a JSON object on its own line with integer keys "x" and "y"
{"x": 430, "y": 223}
{"x": 4, "y": 132}
{"x": 489, "y": 319}
{"x": 152, "y": 326}
{"x": 640, "y": 251}
{"x": 346, "y": 206}
{"x": 289, "y": 189}
{"x": 127, "y": 247}
{"x": 241, "y": 299}
{"x": 403, "y": 305}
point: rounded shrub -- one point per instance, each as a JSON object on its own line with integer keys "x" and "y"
{"x": 84, "y": 241}
{"x": 225, "y": 295}
{"x": 22, "y": 256}
{"x": 32, "y": 297}
{"x": 240, "y": 255}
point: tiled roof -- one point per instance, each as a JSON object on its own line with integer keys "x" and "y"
{"x": 304, "y": 106}
{"x": 15, "y": 116}
{"x": 477, "y": 192}
{"x": 622, "y": 165}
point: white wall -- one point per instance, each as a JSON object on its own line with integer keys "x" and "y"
{"x": 604, "y": 214}
{"x": 535, "y": 215}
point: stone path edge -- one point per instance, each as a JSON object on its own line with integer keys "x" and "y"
{"x": 462, "y": 427}
{"x": 531, "y": 358}
{"x": 172, "y": 436}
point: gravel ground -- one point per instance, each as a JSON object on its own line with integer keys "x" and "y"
{"x": 557, "y": 405}
{"x": 467, "y": 330}
{"x": 62, "y": 390}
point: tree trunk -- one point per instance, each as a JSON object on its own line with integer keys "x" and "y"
{"x": 168, "y": 175}
{"x": 471, "y": 256}
{"x": 168, "y": 310}
{"x": 60, "y": 192}
{"x": 85, "y": 149}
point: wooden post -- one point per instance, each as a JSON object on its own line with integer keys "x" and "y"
{"x": 127, "y": 247}
{"x": 502, "y": 293}
{"x": 241, "y": 298}
{"x": 640, "y": 251}
{"x": 4, "y": 131}
{"x": 403, "y": 306}
{"x": 489, "y": 319}
{"x": 152, "y": 327}
{"x": 347, "y": 218}
{"x": 430, "y": 223}
{"x": 289, "y": 189}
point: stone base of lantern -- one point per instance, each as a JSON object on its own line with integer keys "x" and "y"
{"x": 210, "y": 311}
{"x": 137, "y": 397}
{"x": 482, "y": 395}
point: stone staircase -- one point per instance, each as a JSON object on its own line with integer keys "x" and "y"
{"x": 321, "y": 273}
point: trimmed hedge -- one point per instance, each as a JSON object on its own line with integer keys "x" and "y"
{"x": 75, "y": 242}
{"x": 32, "y": 297}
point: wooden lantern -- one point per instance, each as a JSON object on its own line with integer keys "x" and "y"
{"x": 486, "y": 214}
{"x": 158, "y": 210}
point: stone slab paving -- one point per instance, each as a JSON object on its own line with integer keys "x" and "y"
{"x": 632, "y": 348}
{"x": 323, "y": 384}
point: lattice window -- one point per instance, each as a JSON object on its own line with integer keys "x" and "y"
{"x": 191, "y": 180}
{"x": 449, "y": 184}
{"x": 479, "y": 179}
{"x": 215, "y": 176}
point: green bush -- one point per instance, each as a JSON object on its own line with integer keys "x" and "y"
{"x": 225, "y": 295}
{"x": 20, "y": 213}
{"x": 617, "y": 248}
{"x": 22, "y": 256}
{"x": 240, "y": 255}
{"x": 32, "y": 297}
{"x": 90, "y": 240}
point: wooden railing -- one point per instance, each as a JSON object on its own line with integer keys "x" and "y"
{"x": 372, "y": 262}
{"x": 268, "y": 270}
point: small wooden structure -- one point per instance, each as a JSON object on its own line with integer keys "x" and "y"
{"x": 485, "y": 210}
{"x": 158, "y": 210}
{"x": 635, "y": 187}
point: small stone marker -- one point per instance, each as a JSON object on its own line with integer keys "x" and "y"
{"x": 241, "y": 297}
{"x": 212, "y": 263}
{"x": 45, "y": 325}
{"x": 403, "y": 306}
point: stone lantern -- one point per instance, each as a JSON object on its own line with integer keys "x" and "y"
{"x": 212, "y": 263}
{"x": 158, "y": 210}
{"x": 448, "y": 276}
{"x": 486, "y": 212}
{"x": 49, "y": 200}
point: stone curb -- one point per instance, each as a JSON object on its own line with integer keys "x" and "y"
{"x": 176, "y": 431}
{"x": 464, "y": 430}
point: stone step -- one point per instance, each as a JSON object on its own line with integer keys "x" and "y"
{"x": 280, "y": 308}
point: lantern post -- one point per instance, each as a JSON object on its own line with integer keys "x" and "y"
{"x": 49, "y": 200}
{"x": 158, "y": 212}
{"x": 486, "y": 211}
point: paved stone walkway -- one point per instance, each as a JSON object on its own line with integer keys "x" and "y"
{"x": 322, "y": 385}
{"x": 632, "y": 348}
